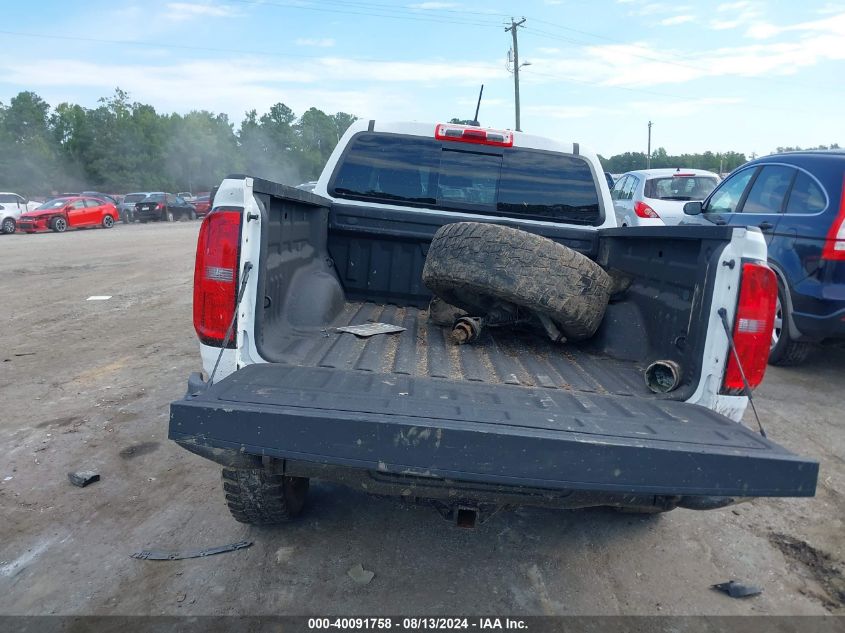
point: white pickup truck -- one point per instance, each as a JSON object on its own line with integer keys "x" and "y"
{"x": 511, "y": 419}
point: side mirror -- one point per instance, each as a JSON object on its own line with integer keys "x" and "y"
{"x": 693, "y": 208}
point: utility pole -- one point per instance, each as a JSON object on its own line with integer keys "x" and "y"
{"x": 512, "y": 28}
{"x": 648, "y": 156}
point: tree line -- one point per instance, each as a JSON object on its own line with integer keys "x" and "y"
{"x": 122, "y": 145}
{"x": 717, "y": 162}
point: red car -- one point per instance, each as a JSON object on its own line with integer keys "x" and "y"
{"x": 60, "y": 214}
{"x": 202, "y": 203}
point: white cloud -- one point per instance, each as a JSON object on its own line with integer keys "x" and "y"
{"x": 830, "y": 8}
{"x": 741, "y": 5}
{"x": 181, "y": 11}
{"x": 563, "y": 111}
{"x": 548, "y": 50}
{"x": 677, "y": 19}
{"x": 643, "y": 64}
{"x": 682, "y": 108}
{"x": 325, "y": 42}
{"x": 736, "y": 14}
{"x": 433, "y": 6}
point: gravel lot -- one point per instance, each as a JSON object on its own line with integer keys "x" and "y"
{"x": 88, "y": 383}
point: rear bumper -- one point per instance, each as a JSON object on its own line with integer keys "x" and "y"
{"x": 516, "y": 437}
{"x": 145, "y": 214}
{"x": 816, "y": 327}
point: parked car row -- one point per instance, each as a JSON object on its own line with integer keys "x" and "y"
{"x": 73, "y": 210}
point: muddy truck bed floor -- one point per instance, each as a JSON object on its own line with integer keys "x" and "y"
{"x": 502, "y": 355}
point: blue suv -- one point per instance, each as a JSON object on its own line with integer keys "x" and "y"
{"x": 797, "y": 200}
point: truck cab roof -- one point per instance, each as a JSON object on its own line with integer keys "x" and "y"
{"x": 468, "y": 172}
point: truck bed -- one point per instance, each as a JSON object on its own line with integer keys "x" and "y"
{"x": 413, "y": 414}
{"x": 509, "y": 356}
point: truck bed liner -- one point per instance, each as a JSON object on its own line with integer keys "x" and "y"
{"x": 502, "y": 356}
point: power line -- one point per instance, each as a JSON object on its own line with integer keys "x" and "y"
{"x": 395, "y": 14}
{"x": 216, "y": 49}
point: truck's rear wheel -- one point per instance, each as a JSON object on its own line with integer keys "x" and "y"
{"x": 474, "y": 266}
{"x": 261, "y": 497}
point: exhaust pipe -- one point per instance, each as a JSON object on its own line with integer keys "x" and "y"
{"x": 663, "y": 376}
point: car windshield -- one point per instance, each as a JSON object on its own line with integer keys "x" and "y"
{"x": 57, "y": 203}
{"x": 134, "y": 197}
{"x": 680, "y": 187}
{"x": 154, "y": 197}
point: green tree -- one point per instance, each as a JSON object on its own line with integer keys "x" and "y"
{"x": 28, "y": 158}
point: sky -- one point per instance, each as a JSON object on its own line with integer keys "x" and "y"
{"x": 744, "y": 75}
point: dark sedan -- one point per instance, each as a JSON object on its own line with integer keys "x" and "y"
{"x": 164, "y": 207}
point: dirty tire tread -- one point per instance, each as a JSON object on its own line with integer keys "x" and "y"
{"x": 470, "y": 263}
{"x": 259, "y": 497}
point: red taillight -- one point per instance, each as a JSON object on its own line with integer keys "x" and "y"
{"x": 216, "y": 275}
{"x": 644, "y": 211}
{"x": 466, "y": 134}
{"x": 755, "y": 318}
{"x": 159, "y": 206}
{"x": 834, "y": 244}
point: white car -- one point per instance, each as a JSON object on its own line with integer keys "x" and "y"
{"x": 11, "y": 207}
{"x": 656, "y": 197}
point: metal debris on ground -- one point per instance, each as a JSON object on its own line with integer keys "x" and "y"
{"x": 82, "y": 478}
{"x": 737, "y": 590}
{"x": 99, "y": 298}
{"x": 149, "y": 554}
{"x": 371, "y": 329}
{"x": 360, "y": 575}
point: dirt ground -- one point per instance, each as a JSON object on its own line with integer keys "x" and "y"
{"x": 86, "y": 384}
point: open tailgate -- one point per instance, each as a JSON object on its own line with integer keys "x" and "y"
{"x": 499, "y": 434}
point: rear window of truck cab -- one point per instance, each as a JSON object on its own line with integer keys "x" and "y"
{"x": 500, "y": 181}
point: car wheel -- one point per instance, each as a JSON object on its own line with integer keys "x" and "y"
{"x": 8, "y": 225}
{"x": 59, "y": 225}
{"x": 193, "y": 215}
{"x": 108, "y": 222}
{"x": 784, "y": 350}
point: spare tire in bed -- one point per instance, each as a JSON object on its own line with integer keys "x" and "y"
{"x": 475, "y": 266}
